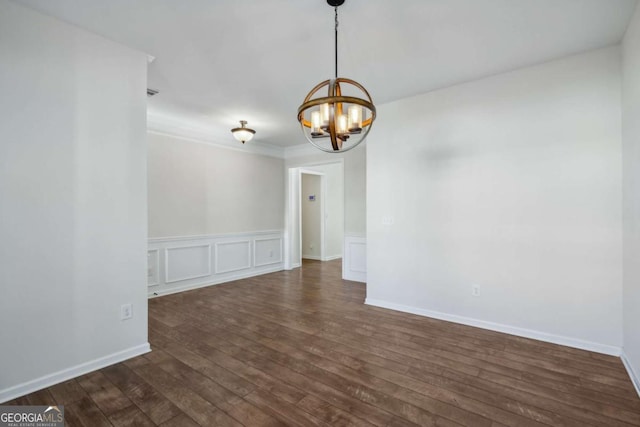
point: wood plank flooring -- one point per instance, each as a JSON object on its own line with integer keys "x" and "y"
{"x": 299, "y": 348}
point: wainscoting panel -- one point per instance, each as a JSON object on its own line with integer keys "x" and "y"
{"x": 190, "y": 262}
{"x": 187, "y": 262}
{"x": 354, "y": 259}
{"x": 267, "y": 251}
{"x": 153, "y": 267}
{"x": 233, "y": 256}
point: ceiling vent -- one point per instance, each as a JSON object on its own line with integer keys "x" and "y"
{"x": 151, "y": 92}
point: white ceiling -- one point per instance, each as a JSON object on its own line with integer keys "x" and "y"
{"x": 220, "y": 61}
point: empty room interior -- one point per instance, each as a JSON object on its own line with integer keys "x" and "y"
{"x": 320, "y": 212}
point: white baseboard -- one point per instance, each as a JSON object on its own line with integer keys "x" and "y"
{"x": 72, "y": 372}
{"x": 498, "y": 327}
{"x": 227, "y": 278}
{"x": 295, "y": 265}
{"x": 635, "y": 379}
{"x": 317, "y": 258}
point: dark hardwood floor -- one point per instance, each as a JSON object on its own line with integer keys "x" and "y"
{"x": 300, "y": 348}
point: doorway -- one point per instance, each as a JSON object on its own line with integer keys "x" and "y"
{"x": 314, "y": 226}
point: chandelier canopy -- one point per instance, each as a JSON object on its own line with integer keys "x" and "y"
{"x": 342, "y": 119}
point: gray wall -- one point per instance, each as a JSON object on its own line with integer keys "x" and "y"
{"x": 197, "y": 188}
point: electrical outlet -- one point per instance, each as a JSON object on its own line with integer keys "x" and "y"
{"x": 126, "y": 311}
{"x": 271, "y": 253}
{"x": 387, "y": 220}
{"x": 475, "y": 290}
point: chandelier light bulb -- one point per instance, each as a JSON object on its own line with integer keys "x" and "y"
{"x": 315, "y": 124}
{"x": 355, "y": 118}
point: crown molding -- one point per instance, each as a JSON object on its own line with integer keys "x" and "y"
{"x": 164, "y": 126}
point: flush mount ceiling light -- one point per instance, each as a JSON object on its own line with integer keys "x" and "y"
{"x": 342, "y": 119}
{"x": 243, "y": 133}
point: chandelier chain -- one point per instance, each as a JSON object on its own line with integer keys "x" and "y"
{"x": 336, "y": 41}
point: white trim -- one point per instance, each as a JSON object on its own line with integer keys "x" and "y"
{"x": 318, "y": 258}
{"x": 165, "y": 127}
{"x": 348, "y": 272}
{"x": 213, "y": 236}
{"x": 72, "y": 372}
{"x": 358, "y": 270}
{"x": 233, "y": 242}
{"x": 323, "y": 217}
{"x": 290, "y": 218}
{"x": 157, "y": 269}
{"x": 498, "y": 327}
{"x": 166, "y": 263}
{"x": 635, "y": 379}
{"x": 311, "y": 172}
{"x": 293, "y": 172}
{"x": 356, "y": 235}
{"x": 216, "y": 257}
{"x": 221, "y": 280}
{"x": 255, "y": 264}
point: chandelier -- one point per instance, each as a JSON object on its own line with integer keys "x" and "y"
{"x": 243, "y": 133}
{"x": 342, "y": 119}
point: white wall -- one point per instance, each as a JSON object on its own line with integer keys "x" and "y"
{"x": 512, "y": 183}
{"x": 199, "y": 189}
{"x": 73, "y": 211}
{"x": 311, "y": 216}
{"x": 631, "y": 194}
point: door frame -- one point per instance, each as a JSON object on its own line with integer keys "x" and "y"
{"x": 293, "y": 201}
